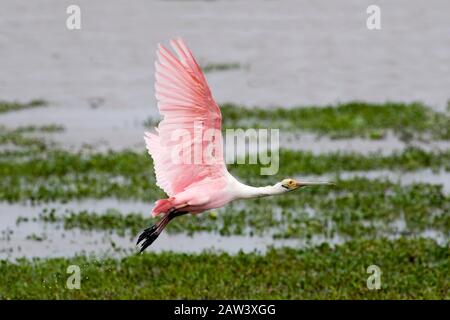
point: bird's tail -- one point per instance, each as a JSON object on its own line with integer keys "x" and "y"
{"x": 162, "y": 206}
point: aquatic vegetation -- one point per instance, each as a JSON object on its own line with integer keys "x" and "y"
{"x": 29, "y": 144}
{"x": 110, "y": 220}
{"x": 6, "y": 106}
{"x": 320, "y": 272}
{"x": 369, "y": 120}
{"x": 359, "y": 209}
{"x": 365, "y": 214}
{"x": 50, "y": 128}
{"x": 211, "y": 67}
{"x": 61, "y": 175}
{"x": 17, "y": 137}
{"x": 36, "y": 237}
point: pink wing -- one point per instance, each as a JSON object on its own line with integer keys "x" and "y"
{"x": 184, "y": 100}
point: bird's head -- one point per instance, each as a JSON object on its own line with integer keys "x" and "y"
{"x": 289, "y": 184}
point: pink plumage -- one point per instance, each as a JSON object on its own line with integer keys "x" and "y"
{"x": 183, "y": 99}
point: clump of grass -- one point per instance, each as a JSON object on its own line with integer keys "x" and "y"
{"x": 19, "y": 136}
{"x": 369, "y": 120}
{"x": 212, "y": 67}
{"x": 6, "y": 106}
{"x": 321, "y": 272}
{"x": 111, "y": 220}
{"x": 50, "y": 128}
{"x": 35, "y": 237}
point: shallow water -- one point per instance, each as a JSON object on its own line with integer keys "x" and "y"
{"x": 440, "y": 177}
{"x": 54, "y": 241}
{"x": 57, "y": 242}
{"x": 99, "y": 81}
{"x": 100, "y": 78}
{"x": 35, "y": 238}
{"x": 386, "y": 146}
{"x": 66, "y": 243}
{"x": 9, "y": 212}
{"x": 304, "y": 52}
{"x": 131, "y": 137}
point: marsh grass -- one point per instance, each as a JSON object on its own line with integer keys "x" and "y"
{"x": 110, "y": 220}
{"x": 212, "y": 67}
{"x": 50, "y": 128}
{"x": 19, "y": 137}
{"x": 374, "y": 211}
{"x": 411, "y": 269}
{"x": 6, "y": 106}
{"x": 361, "y": 211}
{"x": 60, "y": 175}
{"x": 346, "y": 120}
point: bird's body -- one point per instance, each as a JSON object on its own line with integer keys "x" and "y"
{"x": 187, "y": 148}
{"x": 213, "y": 193}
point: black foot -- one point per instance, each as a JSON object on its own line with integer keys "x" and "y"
{"x": 147, "y": 236}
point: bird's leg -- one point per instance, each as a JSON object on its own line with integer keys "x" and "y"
{"x": 149, "y": 235}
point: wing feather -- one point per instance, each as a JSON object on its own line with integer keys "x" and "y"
{"x": 184, "y": 101}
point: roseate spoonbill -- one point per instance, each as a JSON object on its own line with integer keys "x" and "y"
{"x": 184, "y": 101}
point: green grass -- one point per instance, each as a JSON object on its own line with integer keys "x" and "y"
{"x": 369, "y": 120}
{"x": 110, "y": 220}
{"x": 50, "y": 128}
{"x": 411, "y": 269}
{"x": 130, "y": 163}
{"x": 211, "y": 67}
{"x": 19, "y": 137}
{"x": 6, "y": 106}
{"x": 60, "y": 175}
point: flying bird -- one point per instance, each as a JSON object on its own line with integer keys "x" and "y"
{"x": 189, "y": 111}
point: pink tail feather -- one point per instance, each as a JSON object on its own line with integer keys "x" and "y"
{"x": 162, "y": 206}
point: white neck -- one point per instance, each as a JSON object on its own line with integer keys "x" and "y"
{"x": 244, "y": 191}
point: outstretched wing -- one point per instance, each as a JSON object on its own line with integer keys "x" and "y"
{"x": 187, "y": 147}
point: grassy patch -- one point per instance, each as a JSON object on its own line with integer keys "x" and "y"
{"x": 369, "y": 120}
{"x": 29, "y": 145}
{"x": 35, "y": 237}
{"x": 212, "y": 67}
{"x": 111, "y": 220}
{"x": 411, "y": 269}
{"x": 6, "y": 106}
{"x": 18, "y": 137}
{"x": 50, "y": 128}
